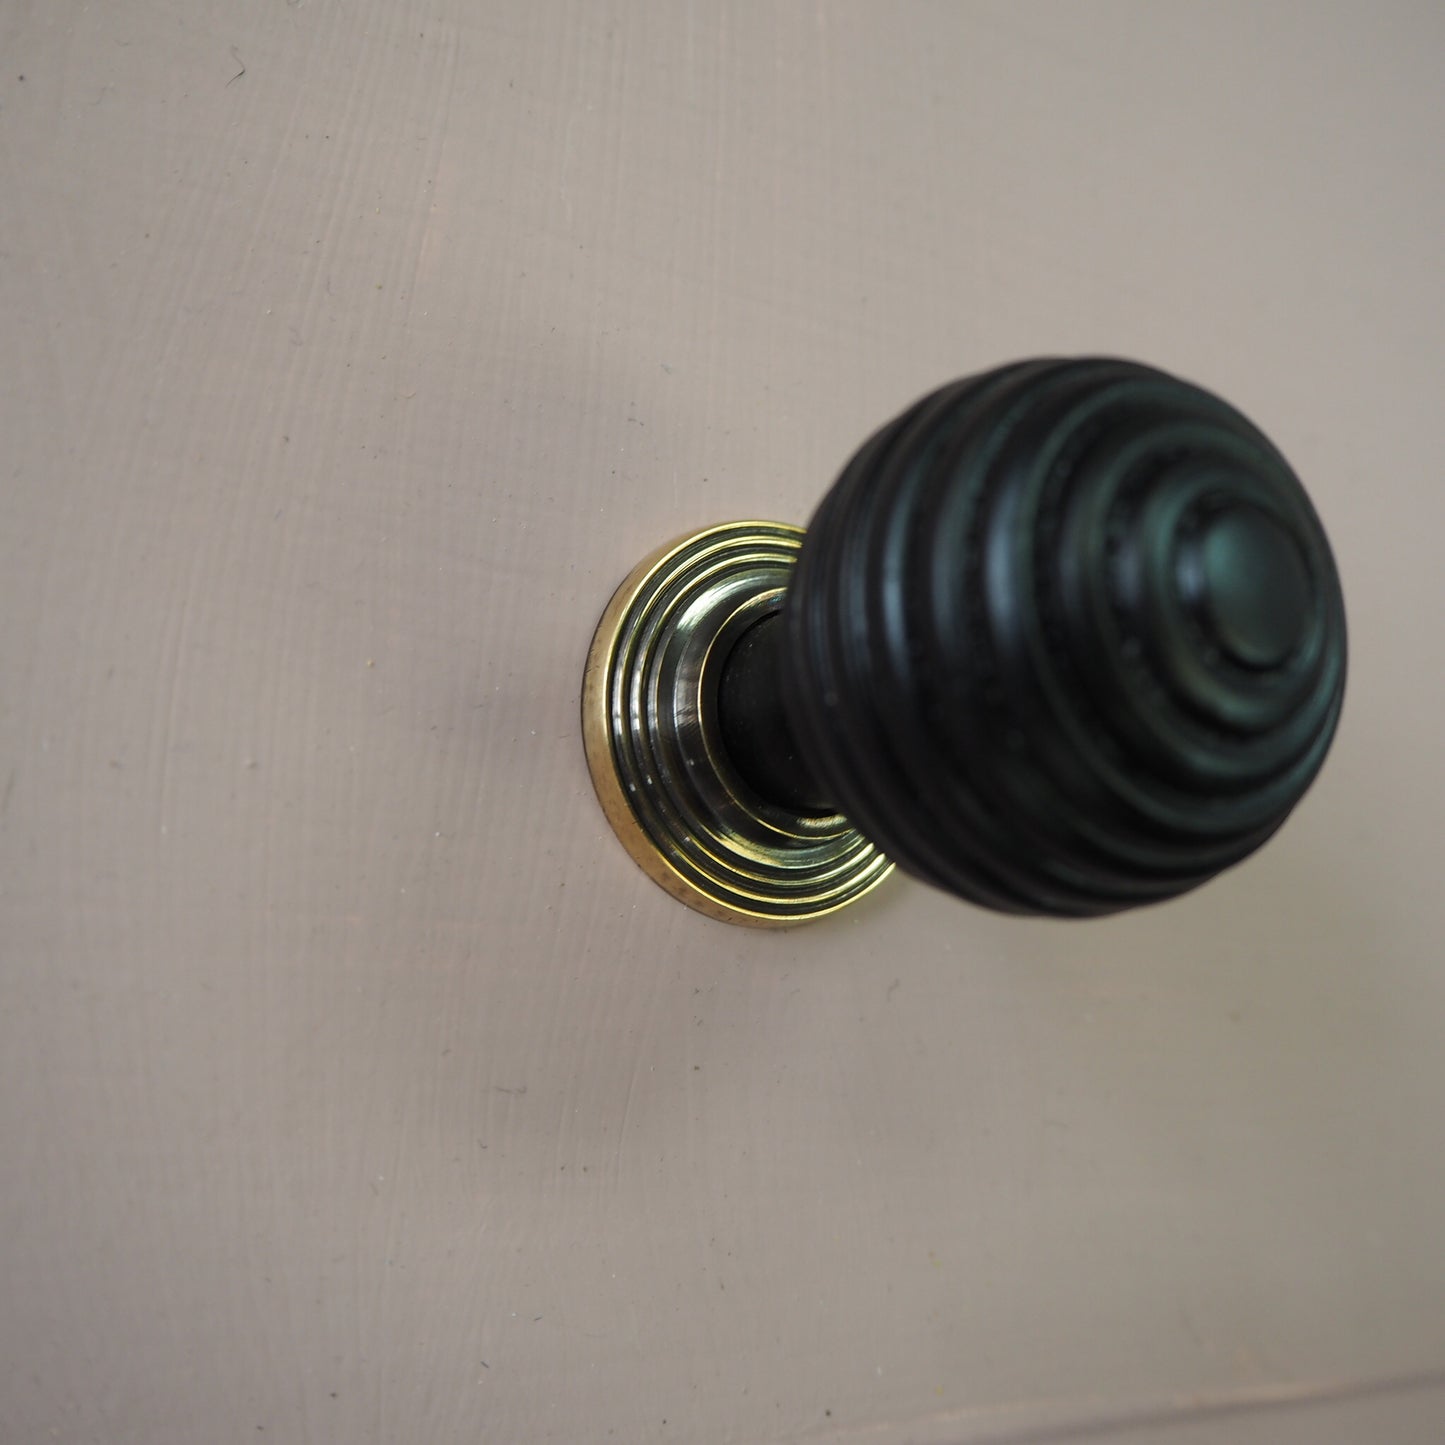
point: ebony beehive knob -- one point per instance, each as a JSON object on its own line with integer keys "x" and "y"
{"x": 1064, "y": 638}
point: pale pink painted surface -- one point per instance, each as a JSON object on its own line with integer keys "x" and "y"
{"x": 354, "y": 1085}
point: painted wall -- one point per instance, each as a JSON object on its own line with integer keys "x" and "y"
{"x": 354, "y": 1085}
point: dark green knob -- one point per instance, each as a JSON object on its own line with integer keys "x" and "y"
{"x": 1064, "y": 638}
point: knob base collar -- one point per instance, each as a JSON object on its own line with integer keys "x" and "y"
{"x": 654, "y": 742}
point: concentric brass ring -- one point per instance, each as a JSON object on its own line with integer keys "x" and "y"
{"x": 649, "y": 722}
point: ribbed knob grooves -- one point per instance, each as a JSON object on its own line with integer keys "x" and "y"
{"x": 1065, "y": 638}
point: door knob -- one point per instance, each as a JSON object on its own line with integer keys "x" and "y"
{"x": 1064, "y": 638}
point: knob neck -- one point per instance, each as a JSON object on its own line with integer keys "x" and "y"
{"x": 755, "y": 728}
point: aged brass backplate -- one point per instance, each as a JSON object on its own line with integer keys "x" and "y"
{"x": 649, "y": 723}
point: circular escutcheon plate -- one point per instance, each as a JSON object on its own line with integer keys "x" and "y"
{"x": 649, "y": 722}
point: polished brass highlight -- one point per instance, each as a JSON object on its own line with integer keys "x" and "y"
{"x": 649, "y": 723}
